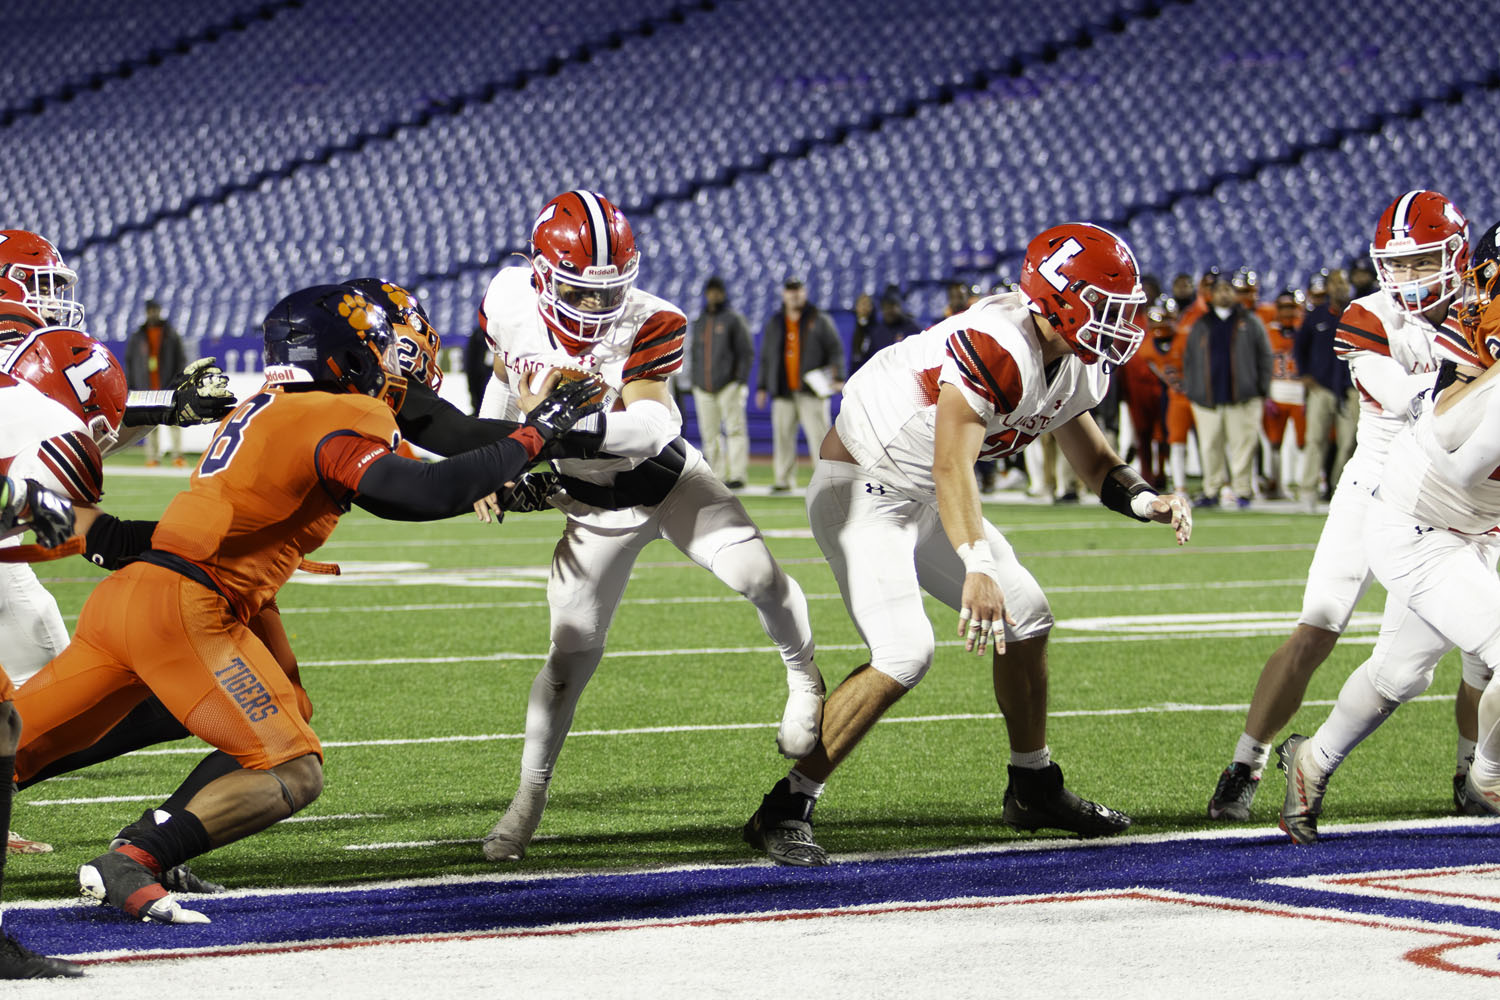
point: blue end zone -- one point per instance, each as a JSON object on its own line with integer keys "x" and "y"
{"x": 1230, "y": 868}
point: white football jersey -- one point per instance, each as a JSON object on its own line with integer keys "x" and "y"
{"x": 1411, "y": 485}
{"x": 646, "y": 342}
{"x": 888, "y": 420}
{"x": 42, "y": 439}
{"x": 1372, "y": 326}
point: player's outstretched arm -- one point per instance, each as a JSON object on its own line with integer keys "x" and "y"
{"x": 1120, "y": 487}
{"x": 429, "y": 420}
{"x": 400, "y": 489}
{"x": 198, "y": 395}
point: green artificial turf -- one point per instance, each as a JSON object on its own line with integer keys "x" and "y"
{"x": 465, "y": 660}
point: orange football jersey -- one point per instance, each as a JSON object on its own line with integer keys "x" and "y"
{"x": 271, "y": 487}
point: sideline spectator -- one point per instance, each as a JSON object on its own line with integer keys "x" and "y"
{"x": 721, "y": 354}
{"x": 801, "y": 367}
{"x": 1182, "y": 291}
{"x": 1144, "y": 388}
{"x": 1332, "y": 401}
{"x": 153, "y": 357}
{"x": 1317, "y": 290}
{"x": 864, "y": 328}
{"x": 1362, "y": 278}
{"x": 1287, "y": 401}
{"x": 1227, "y": 373}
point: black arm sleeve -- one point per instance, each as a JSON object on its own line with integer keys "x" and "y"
{"x": 434, "y": 423}
{"x": 400, "y": 489}
{"x": 112, "y": 543}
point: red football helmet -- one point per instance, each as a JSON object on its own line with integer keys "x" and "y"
{"x": 1418, "y": 224}
{"x": 1084, "y": 280}
{"x": 77, "y": 371}
{"x": 584, "y": 262}
{"x": 32, "y": 272}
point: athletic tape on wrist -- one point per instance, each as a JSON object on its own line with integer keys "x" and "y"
{"x": 978, "y": 558}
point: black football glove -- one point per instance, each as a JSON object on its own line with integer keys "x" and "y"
{"x": 29, "y": 504}
{"x": 200, "y": 394}
{"x": 566, "y": 405}
{"x": 530, "y": 493}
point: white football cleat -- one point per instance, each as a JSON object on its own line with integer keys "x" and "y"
{"x": 17, "y": 844}
{"x": 802, "y": 718}
{"x": 509, "y": 838}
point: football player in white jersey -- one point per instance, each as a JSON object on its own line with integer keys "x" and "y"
{"x": 577, "y": 307}
{"x": 895, "y": 509}
{"x": 37, "y": 293}
{"x": 23, "y": 503}
{"x": 1420, "y": 245}
{"x": 1433, "y": 543}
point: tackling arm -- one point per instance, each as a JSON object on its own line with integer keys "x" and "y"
{"x": 437, "y": 425}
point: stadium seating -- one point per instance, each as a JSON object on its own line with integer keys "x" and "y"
{"x": 855, "y": 143}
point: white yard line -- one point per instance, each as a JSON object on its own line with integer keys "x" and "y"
{"x": 1166, "y": 708}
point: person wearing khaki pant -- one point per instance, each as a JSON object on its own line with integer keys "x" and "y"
{"x": 1226, "y": 375}
{"x": 1332, "y": 402}
{"x": 720, "y": 355}
{"x": 801, "y": 365}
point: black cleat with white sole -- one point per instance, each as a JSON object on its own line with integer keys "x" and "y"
{"x": 782, "y": 828}
{"x": 1035, "y": 799}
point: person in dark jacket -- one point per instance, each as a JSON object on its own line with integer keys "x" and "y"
{"x": 1332, "y": 402}
{"x": 892, "y": 326}
{"x": 721, "y": 354}
{"x": 1226, "y": 375}
{"x": 153, "y": 356}
{"x": 801, "y": 367}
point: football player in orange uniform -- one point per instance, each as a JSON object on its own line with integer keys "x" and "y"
{"x": 1144, "y": 390}
{"x": 424, "y": 417}
{"x": 271, "y": 487}
{"x": 23, "y": 504}
{"x": 1287, "y": 399}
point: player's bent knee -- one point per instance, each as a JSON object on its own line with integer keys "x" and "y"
{"x": 905, "y": 667}
{"x": 301, "y": 780}
{"x": 1477, "y": 673}
{"x": 748, "y": 568}
{"x": 1400, "y": 685}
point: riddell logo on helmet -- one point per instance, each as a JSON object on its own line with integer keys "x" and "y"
{"x": 601, "y": 271}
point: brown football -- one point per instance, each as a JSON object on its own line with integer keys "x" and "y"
{"x": 604, "y": 392}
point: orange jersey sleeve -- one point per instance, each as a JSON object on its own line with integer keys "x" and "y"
{"x": 271, "y": 487}
{"x": 657, "y": 351}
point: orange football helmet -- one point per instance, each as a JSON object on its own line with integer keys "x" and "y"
{"x": 1084, "y": 280}
{"x": 584, "y": 263}
{"x": 1479, "y": 305}
{"x": 32, "y": 272}
{"x": 414, "y": 341}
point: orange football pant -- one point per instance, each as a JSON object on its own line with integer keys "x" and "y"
{"x": 1179, "y": 418}
{"x": 148, "y": 630}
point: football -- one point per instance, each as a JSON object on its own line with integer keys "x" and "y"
{"x": 604, "y": 394}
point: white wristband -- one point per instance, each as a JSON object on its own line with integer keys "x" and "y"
{"x": 979, "y": 558}
{"x": 1140, "y": 504}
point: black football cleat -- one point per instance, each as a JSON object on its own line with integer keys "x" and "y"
{"x": 1035, "y": 799}
{"x": 782, "y": 828}
{"x": 1234, "y": 793}
{"x": 19, "y": 962}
